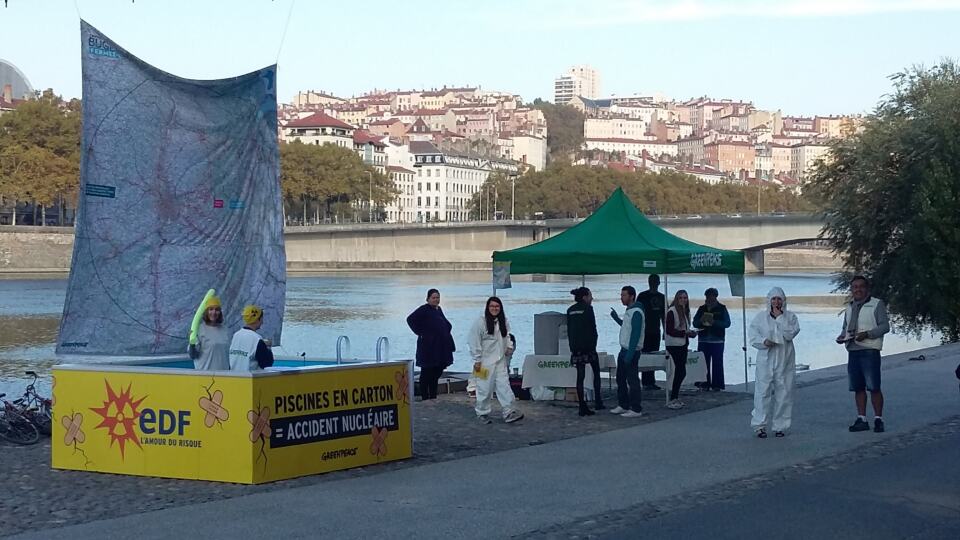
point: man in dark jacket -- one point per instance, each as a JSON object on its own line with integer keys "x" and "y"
{"x": 712, "y": 320}
{"x": 654, "y": 309}
{"x": 582, "y": 335}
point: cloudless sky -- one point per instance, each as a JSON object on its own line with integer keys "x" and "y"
{"x": 801, "y": 56}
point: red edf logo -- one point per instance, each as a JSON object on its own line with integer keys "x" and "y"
{"x": 119, "y": 414}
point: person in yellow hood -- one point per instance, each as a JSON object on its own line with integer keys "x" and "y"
{"x": 211, "y": 351}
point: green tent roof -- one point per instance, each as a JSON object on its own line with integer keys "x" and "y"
{"x": 618, "y": 239}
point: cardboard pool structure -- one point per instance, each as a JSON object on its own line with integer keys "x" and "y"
{"x": 244, "y": 427}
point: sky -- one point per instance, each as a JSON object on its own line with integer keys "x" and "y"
{"x": 803, "y": 57}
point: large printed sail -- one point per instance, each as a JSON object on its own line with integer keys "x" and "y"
{"x": 179, "y": 193}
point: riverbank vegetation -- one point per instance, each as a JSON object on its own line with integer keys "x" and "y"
{"x": 891, "y": 197}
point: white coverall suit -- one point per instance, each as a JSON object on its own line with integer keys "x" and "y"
{"x": 776, "y": 365}
{"x": 491, "y": 351}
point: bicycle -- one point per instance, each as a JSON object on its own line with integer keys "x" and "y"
{"x": 15, "y": 427}
{"x": 36, "y": 408}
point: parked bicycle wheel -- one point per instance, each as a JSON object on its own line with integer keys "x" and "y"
{"x": 42, "y": 421}
{"x": 14, "y": 427}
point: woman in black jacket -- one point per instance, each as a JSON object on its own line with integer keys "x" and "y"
{"x": 582, "y": 334}
{"x": 435, "y": 345}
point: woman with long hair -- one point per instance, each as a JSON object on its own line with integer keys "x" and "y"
{"x": 582, "y": 335}
{"x": 678, "y": 340}
{"x": 435, "y": 346}
{"x": 212, "y": 349}
{"x": 490, "y": 347}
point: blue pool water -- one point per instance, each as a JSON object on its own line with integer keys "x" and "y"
{"x": 186, "y": 363}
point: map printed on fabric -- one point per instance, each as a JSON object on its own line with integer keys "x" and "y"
{"x": 179, "y": 194}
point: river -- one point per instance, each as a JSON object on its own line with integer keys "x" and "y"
{"x": 367, "y": 305}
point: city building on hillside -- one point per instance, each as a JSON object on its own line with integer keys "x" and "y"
{"x": 402, "y": 101}
{"x": 579, "y": 80}
{"x": 437, "y": 119}
{"x": 730, "y": 156}
{"x": 670, "y": 131}
{"x": 804, "y": 156}
{"x": 401, "y": 209}
{"x": 592, "y": 108}
{"x": 631, "y": 147}
{"x": 527, "y": 149}
{"x": 7, "y": 101}
{"x": 690, "y": 149}
{"x": 371, "y": 149}
{"x": 391, "y": 127}
{"x": 319, "y": 128}
{"x": 311, "y": 97}
{"x": 447, "y": 179}
{"x": 353, "y": 114}
{"x": 616, "y": 128}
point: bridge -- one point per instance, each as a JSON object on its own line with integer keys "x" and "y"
{"x": 448, "y": 246}
{"x": 468, "y": 245}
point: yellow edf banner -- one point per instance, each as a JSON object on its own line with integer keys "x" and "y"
{"x": 234, "y": 428}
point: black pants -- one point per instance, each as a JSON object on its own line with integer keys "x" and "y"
{"x": 594, "y": 363}
{"x": 679, "y": 355}
{"x": 628, "y": 381}
{"x": 429, "y": 377}
{"x": 651, "y": 344}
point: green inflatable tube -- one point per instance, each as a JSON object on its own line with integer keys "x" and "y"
{"x": 198, "y": 316}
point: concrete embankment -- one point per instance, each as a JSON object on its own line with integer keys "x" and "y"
{"x": 44, "y": 250}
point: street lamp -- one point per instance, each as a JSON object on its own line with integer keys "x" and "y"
{"x": 370, "y": 196}
{"x": 513, "y": 198}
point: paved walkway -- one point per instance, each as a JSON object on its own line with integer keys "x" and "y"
{"x": 527, "y": 490}
{"x": 913, "y": 492}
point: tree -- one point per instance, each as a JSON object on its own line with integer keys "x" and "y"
{"x": 330, "y": 179}
{"x": 564, "y": 129}
{"x": 891, "y": 195}
{"x": 40, "y": 146}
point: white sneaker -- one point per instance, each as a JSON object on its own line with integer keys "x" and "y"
{"x": 617, "y": 410}
{"x": 631, "y": 414}
{"x": 675, "y": 404}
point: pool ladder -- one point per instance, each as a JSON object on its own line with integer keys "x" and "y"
{"x": 340, "y": 342}
{"x": 383, "y": 349}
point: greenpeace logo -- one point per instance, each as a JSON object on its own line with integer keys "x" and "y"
{"x": 74, "y": 345}
{"x": 706, "y": 260}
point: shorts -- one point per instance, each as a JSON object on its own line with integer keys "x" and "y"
{"x": 863, "y": 370}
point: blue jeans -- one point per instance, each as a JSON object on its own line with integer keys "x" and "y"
{"x": 628, "y": 380}
{"x": 863, "y": 370}
{"x": 713, "y": 356}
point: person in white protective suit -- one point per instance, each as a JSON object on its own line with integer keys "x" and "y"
{"x": 771, "y": 333}
{"x": 491, "y": 349}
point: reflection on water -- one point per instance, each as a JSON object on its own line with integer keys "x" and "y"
{"x": 28, "y": 331}
{"x": 367, "y": 305}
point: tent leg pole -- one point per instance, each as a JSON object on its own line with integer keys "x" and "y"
{"x": 743, "y": 309}
{"x": 583, "y": 280}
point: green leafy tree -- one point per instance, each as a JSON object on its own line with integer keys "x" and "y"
{"x": 564, "y": 129}
{"x": 40, "y": 152}
{"x": 891, "y": 196}
{"x": 322, "y": 181}
{"x": 567, "y": 191}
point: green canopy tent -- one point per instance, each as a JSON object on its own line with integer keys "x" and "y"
{"x": 618, "y": 239}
